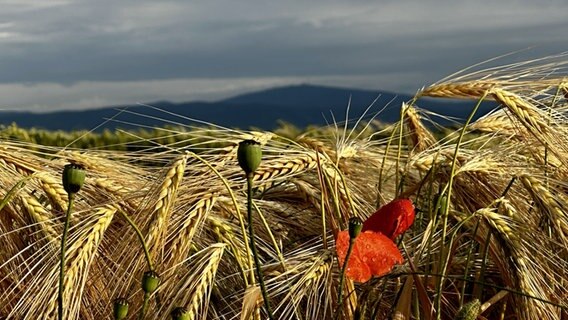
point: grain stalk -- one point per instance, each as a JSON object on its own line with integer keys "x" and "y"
{"x": 443, "y": 261}
{"x": 162, "y": 208}
{"x": 238, "y": 214}
{"x": 13, "y": 191}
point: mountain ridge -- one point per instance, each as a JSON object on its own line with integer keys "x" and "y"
{"x": 301, "y": 105}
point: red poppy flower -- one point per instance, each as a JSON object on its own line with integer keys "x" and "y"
{"x": 374, "y": 252}
{"x": 392, "y": 219}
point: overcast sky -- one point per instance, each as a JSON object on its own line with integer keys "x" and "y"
{"x": 66, "y": 54}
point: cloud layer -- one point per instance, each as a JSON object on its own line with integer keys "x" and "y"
{"x": 81, "y": 53}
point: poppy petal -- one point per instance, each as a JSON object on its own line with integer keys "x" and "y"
{"x": 356, "y": 270}
{"x": 392, "y": 219}
{"x": 373, "y": 254}
{"x": 378, "y": 252}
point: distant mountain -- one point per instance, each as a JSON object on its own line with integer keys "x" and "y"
{"x": 301, "y": 105}
{"x": 311, "y": 95}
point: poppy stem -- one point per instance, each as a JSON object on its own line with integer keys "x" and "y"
{"x": 241, "y": 220}
{"x": 342, "y": 277}
{"x": 142, "y": 313}
{"x": 62, "y": 262}
{"x": 253, "y": 247}
{"x": 140, "y": 238}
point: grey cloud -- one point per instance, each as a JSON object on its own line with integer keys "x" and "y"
{"x": 41, "y": 97}
{"x": 70, "y": 42}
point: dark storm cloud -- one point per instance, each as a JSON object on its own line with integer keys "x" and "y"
{"x": 413, "y": 43}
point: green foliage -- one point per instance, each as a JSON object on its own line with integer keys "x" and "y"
{"x": 119, "y": 140}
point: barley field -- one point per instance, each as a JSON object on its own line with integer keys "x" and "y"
{"x": 489, "y": 241}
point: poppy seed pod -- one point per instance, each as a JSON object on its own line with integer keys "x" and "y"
{"x": 249, "y": 155}
{"x": 469, "y": 311}
{"x": 443, "y": 199}
{"x": 180, "y": 313}
{"x": 150, "y": 281}
{"x": 73, "y": 178}
{"x": 120, "y": 308}
{"x": 355, "y": 227}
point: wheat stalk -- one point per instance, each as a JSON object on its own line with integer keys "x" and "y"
{"x": 81, "y": 254}
{"x": 469, "y": 90}
{"x": 38, "y": 301}
{"x": 553, "y": 206}
{"x": 198, "y": 303}
{"x": 528, "y": 114}
{"x": 498, "y": 122}
{"x": 193, "y": 288}
{"x": 272, "y": 169}
{"x": 225, "y": 233}
{"x": 161, "y": 209}
{"x": 54, "y": 192}
{"x": 41, "y": 217}
{"x": 19, "y": 166}
{"x": 188, "y": 226}
{"x": 420, "y": 136}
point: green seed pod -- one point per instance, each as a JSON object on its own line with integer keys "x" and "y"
{"x": 355, "y": 227}
{"x": 150, "y": 281}
{"x": 180, "y": 313}
{"x": 249, "y": 155}
{"x": 443, "y": 203}
{"x": 120, "y": 308}
{"x": 73, "y": 178}
{"x": 469, "y": 311}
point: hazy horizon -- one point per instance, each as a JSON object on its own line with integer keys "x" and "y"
{"x": 78, "y": 54}
{"x": 217, "y": 98}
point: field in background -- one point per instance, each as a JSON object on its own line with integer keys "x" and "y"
{"x": 130, "y": 140}
{"x": 491, "y": 199}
